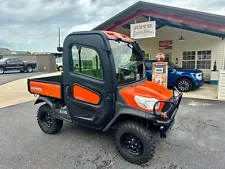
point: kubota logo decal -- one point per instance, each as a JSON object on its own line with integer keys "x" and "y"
{"x": 36, "y": 89}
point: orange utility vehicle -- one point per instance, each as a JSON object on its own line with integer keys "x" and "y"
{"x": 108, "y": 89}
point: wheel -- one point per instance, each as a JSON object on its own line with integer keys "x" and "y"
{"x": 134, "y": 142}
{"x": 184, "y": 85}
{"x": 48, "y": 124}
{"x": 29, "y": 69}
{"x": 2, "y": 70}
{"x": 60, "y": 68}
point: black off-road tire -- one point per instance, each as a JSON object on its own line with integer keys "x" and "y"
{"x": 60, "y": 68}
{"x": 184, "y": 85}
{"x": 29, "y": 69}
{"x": 55, "y": 124}
{"x": 145, "y": 138}
{"x": 2, "y": 70}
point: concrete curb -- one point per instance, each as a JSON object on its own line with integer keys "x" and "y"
{"x": 15, "y": 92}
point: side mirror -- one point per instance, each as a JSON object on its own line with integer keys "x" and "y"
{"x": 172, "y": 70}
{"x": 59, "y": 49}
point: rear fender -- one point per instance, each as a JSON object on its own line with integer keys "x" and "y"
{"x": 42, "y": 99}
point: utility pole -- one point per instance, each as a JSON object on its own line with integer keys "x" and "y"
{"x": 59, "y": 48}
{"x": 59, "y": 37}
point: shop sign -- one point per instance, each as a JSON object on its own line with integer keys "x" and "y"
{"x": 143, "y": 30}
{"x": 166, "y": 44}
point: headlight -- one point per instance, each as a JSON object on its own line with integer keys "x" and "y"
{"x": 198, "y": 76}
{"x": 146, "y": 103}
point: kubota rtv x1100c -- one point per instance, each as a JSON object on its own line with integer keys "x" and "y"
{"x": 108, "y": 89}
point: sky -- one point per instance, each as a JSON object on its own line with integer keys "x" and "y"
{"x": 32, "y": 25}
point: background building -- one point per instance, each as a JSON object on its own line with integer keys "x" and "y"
{"x": 191, "y": 39}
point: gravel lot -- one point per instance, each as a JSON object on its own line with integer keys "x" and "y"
{"x": 15, "y": 75}
{"x": 196, "y": 141}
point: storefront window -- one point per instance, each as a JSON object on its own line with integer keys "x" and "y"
{"x": 188, "y": 60}
{"x": 196, "y": 59}
{"x": 204, "y": 60}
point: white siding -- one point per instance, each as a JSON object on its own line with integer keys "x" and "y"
{"x": 193, "y": 41}
{"x": 221, "y": 86}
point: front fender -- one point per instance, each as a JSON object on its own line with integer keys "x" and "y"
{"x": 122, "y": 109}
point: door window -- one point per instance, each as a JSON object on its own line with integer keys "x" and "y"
{"x": 17, "y": 60}
{"x": 87, "y": 61}
{"x": 10, "y": 61}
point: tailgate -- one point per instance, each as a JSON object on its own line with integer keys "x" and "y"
{"x": 45, "y": 88}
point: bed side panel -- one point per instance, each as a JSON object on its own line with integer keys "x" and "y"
{"x": 45, "y": 89}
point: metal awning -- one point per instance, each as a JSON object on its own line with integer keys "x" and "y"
{"x": 191, "y": 20}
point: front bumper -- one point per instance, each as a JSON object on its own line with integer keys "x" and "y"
{"x": 199, "y": 84}
{"x": 171, "y": 110}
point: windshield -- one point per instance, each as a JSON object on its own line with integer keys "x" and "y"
{"x": 3, "y": 59}
{"x": 174, "y": 65}
{"x": 128, "y": 61}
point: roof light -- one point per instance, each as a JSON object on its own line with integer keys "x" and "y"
{"x": 181, "y": 38}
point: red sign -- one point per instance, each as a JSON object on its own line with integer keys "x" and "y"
{"x": 166, "y": 44}
{"x": 160, "y": 57}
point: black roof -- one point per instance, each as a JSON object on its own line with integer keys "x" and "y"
{"x": 186, "y": 13}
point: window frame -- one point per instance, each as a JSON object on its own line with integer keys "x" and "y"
{"x": 189, "y": 59}
{"x": 71, "y": 68}
{"x": 196, "y": 57}
{"x": 204, "y": 59}
{"x": 17, "y": 60}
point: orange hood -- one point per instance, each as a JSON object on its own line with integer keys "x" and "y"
{"x": 146, "y": 89}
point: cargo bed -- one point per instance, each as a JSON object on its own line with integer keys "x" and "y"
{"x": 51, "y": 86}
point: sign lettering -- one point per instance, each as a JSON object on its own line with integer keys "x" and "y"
{"x": 143, "y": 30}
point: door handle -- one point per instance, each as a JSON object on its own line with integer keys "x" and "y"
{"x": 68, "y": 93}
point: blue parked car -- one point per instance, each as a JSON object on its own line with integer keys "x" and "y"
{"x": 184, "y": 79}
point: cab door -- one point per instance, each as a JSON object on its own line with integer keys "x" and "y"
{"x": 10, "y": 64}
{"x": 19, "y": 64}
{"x": 89, "y": 84}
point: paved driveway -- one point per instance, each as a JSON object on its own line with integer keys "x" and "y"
{"x": 15, "y": 75}
{"x": 195, "y": 142}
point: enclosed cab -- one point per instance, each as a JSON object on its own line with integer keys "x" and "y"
{"x": 108, "y": 89}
